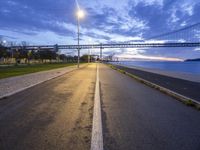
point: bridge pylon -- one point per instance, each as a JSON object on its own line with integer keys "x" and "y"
{"x": 101, "y": 52}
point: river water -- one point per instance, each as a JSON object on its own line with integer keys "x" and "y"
{"x": 192, "y": 67}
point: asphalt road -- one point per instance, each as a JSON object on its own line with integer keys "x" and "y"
{"x": 183, "y": 87}
{"x": 57, "y": 115}
{"x": 54, "y": 115}
{"x": 137, "y": 117}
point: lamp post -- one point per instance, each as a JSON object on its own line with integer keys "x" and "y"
{"x": 80, "y": 15}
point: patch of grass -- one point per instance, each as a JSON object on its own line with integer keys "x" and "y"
{"x": 11, "y": 71}
{"x": 189, "y": 103}
{"x": 111, "y": 66}
{"x": 122, "y": 71}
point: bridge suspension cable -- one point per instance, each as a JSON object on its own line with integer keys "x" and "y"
{"x": 187, "y": 34}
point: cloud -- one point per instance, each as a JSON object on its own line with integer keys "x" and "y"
{"x": 45, "y": 37}
{"x": 106, "y": 21}
{"x": 154, "y": 58}
{"x": 197, "y": 49}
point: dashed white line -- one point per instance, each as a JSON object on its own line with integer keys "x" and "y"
{"x": 97, "y": 137}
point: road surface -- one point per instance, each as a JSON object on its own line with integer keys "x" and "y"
{"x": 55, "y": 115}
{"x": 137, "y": 117}
{"x": 183, "y": 87}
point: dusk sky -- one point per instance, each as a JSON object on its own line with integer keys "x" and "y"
{"x": 106, "y": 21}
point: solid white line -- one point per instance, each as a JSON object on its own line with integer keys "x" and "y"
{"x": 97, "y": 137}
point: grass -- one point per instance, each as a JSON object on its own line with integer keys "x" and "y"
{"x": 10, "y": 71}
{"x": 189, "y": 103}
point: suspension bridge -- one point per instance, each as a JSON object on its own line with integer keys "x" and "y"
{"x": 185, "y": 37}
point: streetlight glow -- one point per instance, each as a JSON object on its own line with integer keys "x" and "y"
{"x": 80, "y": 14}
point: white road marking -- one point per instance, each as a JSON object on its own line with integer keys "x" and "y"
{"x": 97, "y": 137}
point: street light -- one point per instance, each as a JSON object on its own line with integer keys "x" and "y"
{"x": 4, "y": 41}
{"x": 80, "y": 15}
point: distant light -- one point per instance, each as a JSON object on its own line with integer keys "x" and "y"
{"x": 4, "y": 41}
{"x": 80, "y": 14}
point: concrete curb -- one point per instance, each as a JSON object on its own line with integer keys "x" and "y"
{"x": 186, "y": 100}
{"x": 22, "y": 89}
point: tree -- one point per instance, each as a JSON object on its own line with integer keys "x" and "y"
{"x": 63, "y": 57}
{"x": 47, "y": 54}
{"x": 84, "y": 58}
{"x": 3, "y": 51}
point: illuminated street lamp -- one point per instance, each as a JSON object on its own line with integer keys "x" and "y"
{"x": 4, "y": 41}
{"x": 80, "y": 15}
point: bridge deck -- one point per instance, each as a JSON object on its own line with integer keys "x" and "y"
{"x": 115, "y": 45}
